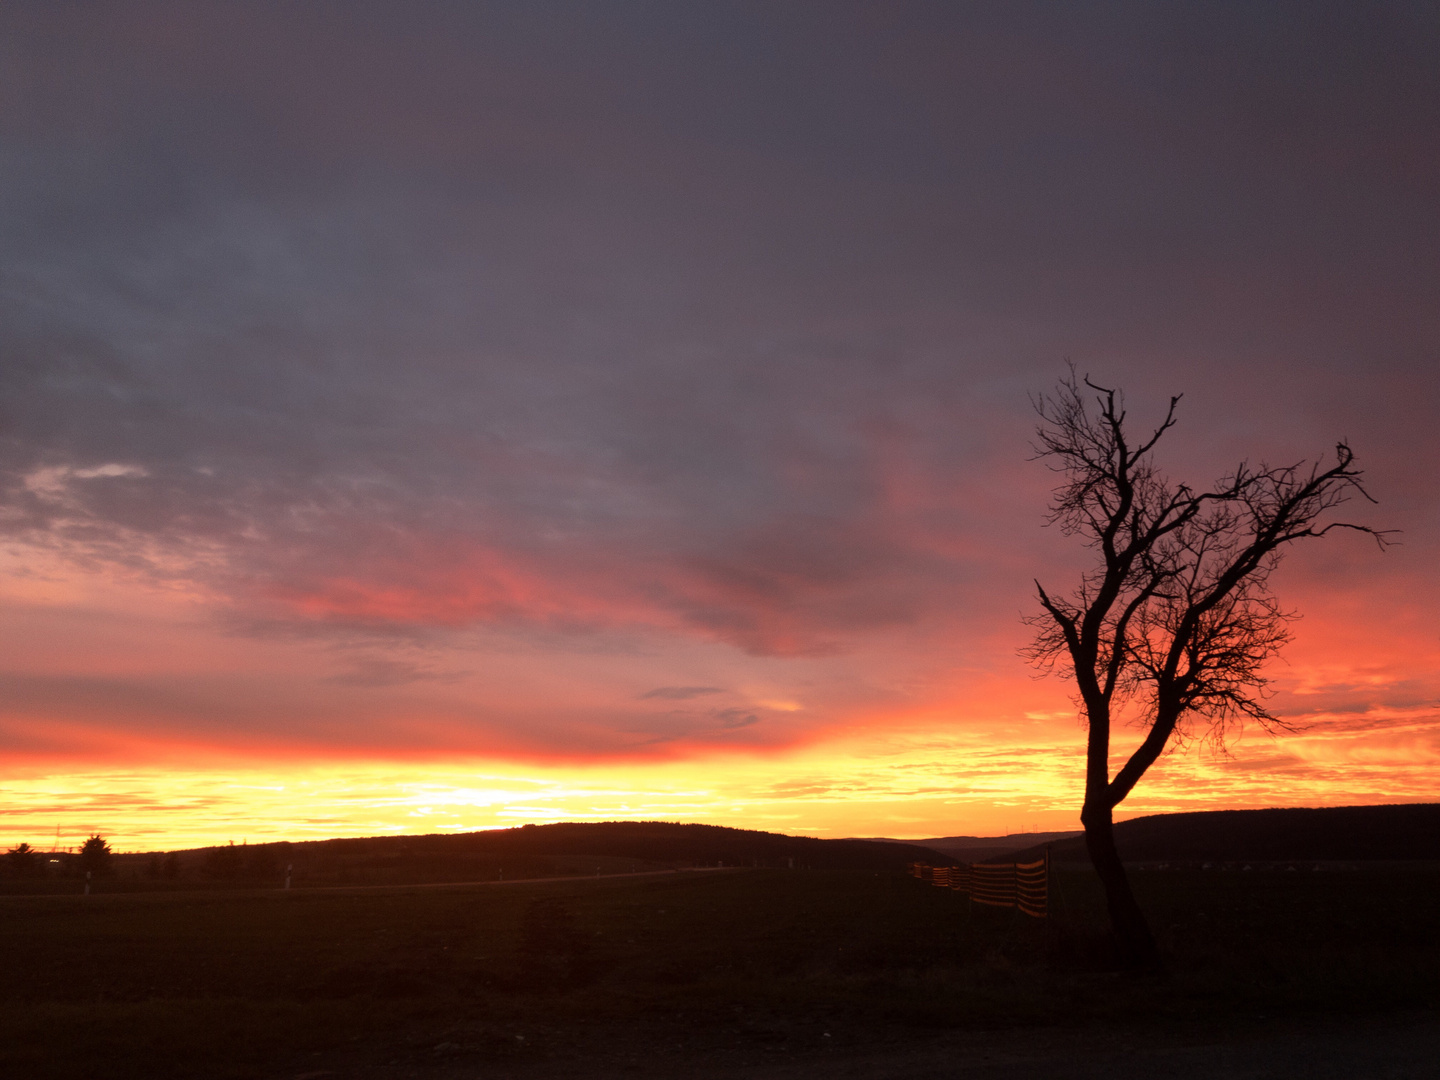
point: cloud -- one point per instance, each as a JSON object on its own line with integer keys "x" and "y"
{"x": 453, "y": 342}
{"x": 680, "y": 693}
{"x": 736, "y": 718}
{"x": 383, "y": 671}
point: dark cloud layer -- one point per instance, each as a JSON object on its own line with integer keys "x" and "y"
{"x": 714, "y": 319}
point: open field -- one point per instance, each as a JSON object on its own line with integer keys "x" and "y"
{"x": 678, "y": 972}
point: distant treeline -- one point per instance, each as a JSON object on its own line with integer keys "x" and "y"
{"x": 25, "y": 863}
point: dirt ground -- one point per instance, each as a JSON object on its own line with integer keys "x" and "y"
{"x": 1408, "y": 1050}
{"x": 1397, "y": 1048}
{"x": 765, "y": 975}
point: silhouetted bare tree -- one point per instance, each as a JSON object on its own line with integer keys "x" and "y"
{"x": 1173, "y": 626}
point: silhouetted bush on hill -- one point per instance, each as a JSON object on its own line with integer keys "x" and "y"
{"x": 1332, "y": 833}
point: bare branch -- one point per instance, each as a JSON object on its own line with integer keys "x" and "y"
{"x": 1176, "y": 617}
{"x": 1175, "y": 621}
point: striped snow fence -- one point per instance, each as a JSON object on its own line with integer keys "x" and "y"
{"x": 1016, "y": 885}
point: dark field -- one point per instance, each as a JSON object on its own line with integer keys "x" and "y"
{"x": 674, "y": 973}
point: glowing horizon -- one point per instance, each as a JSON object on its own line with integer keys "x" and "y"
{"x": 835, "y": 792}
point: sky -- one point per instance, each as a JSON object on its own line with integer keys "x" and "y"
{"x": 444, "y": 415}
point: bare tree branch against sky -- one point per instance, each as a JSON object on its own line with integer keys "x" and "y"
{"x": 1175, "y": 621}
{"x": 431, "y": 389}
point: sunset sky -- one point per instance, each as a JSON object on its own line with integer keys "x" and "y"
{"x": 420, "y": 416}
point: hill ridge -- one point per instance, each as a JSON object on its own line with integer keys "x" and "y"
{"x": 1378, "y": 832}
{"x": 653, "y": 841}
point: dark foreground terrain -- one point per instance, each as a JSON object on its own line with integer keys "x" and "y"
{"x": 772, "y": 974}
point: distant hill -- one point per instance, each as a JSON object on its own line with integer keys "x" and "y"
{"x": 1010, "y": 841}
{"x": 983, "y": 848}
{"x": 560, "y": 849}
{"x": 1348, "y": 833}
{"x": 668, "y": 842}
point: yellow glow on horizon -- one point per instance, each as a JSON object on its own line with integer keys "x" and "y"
{"x": 909, "y": 785}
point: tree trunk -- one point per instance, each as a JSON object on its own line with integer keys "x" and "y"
{"x": 1136, "y": 945}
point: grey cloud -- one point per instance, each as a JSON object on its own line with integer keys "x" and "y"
{"x": 736, "y": 718}
{"x": 688, "y": 328}
{"x": 680, "y": 693}
{"x": 382, "y": 671}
